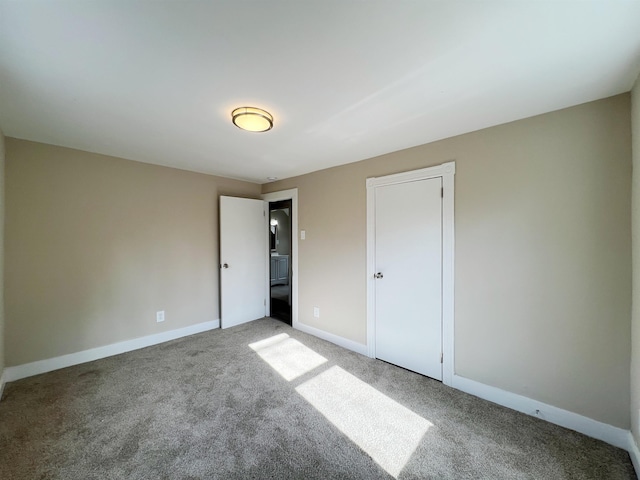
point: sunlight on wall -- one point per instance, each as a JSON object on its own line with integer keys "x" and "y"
{"x": 287, "y": 356}
{"x": 383, "y": 428}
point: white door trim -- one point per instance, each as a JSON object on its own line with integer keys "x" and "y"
{"x": 292, "y": 195}
{"x": 447, "y": 172}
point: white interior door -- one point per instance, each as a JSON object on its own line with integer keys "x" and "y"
{"x": 243, "y": 257}
{"x": 408, "y": 286}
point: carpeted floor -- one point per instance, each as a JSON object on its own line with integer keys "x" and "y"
{"x": 264, "y": 401}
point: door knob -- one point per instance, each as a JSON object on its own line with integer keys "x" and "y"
{"x": 378, "y": 275}
{"x": 225, "y": 265}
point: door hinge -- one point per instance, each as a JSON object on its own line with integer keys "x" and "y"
{"x": 264, "y": 214}
{"x": 264, "y": 302}
{"x": 441, "y": 357}
{"x": 441, "y": 192}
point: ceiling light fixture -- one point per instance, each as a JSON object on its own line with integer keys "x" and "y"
{"x": 252, "y": 119}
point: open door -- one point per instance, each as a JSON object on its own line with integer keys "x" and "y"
{"x": 243, "y": 258}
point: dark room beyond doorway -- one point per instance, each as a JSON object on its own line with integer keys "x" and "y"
{"x": 280, "y": 259}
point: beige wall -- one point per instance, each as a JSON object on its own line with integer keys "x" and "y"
{"x": 2, "y": 335}
{"x": 635, "y": 219}
{"x": 543, "y": 253}
{"x": 95, "y": 245}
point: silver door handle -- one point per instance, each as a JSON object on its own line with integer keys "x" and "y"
{"x": 225, "y": 265}
{"x": 378, "y": 275}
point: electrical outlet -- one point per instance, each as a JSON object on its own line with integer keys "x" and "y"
{"x": 303, "y": 234}
{"x": 316, "y": 312}
{"x": 160, "y": 316}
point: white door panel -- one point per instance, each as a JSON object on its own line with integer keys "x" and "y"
{"x": 408, "y": 255}
{"x": 243, "y": 249}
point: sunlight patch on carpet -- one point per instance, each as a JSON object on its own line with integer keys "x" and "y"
{"x": 386, "y": 430}
{"x": 287, "y": 356}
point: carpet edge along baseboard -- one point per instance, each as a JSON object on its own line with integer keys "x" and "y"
{"x": 48, "y": 365}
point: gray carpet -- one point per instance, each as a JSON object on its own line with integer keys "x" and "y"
{"x": 288, "y": 406}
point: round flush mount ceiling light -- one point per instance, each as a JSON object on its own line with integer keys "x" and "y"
{"x": 252, "y": 119}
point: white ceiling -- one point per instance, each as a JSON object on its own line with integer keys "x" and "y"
{"x": 155, "y": 81}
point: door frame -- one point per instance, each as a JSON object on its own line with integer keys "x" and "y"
{"x": 291, "y": 194}
{"x": 446, "y": 171}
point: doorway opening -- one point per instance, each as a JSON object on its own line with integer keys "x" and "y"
{"x": 280, "y": 249}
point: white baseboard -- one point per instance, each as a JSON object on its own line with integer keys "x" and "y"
{"x": 615, "y": 436}
{"x": 330, "y": 337}
{"x": 43, "y": 366}
{"x": 634, "y": 453}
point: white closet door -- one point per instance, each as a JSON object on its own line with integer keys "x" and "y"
{"x": 408, "y": 289}
{"x": 243, "y": 258}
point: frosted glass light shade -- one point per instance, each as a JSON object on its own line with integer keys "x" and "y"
{"x": 252, "y": 119}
